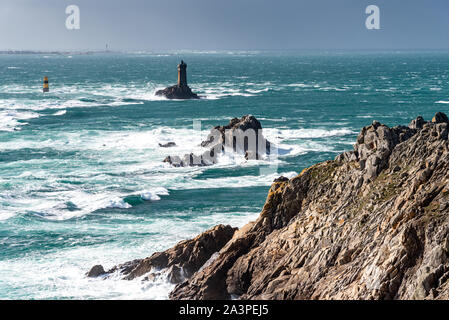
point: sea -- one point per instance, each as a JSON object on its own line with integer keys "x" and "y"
{"x": 82, "y": 177}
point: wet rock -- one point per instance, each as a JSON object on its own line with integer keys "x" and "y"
{"x": 96, "y": 271}
{"x": 241, "y": 136}
{"x": 177, "y": 92}
{"x": 281, "y": 179}
{"x": 167, "y": 145}
{"x": 174, "y": 274}
{"x": 417, "y": 123}
{"x": 440, "y": 118}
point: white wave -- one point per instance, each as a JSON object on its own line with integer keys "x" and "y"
{"x": 63, "y": 97}
{"x": 60, "y": 204}
{"x": 283, "y": 119}
{"x": 60, "y": 113}
{"x": 292, "y": 134}
{"x": 62, "y": 274}
{"x": 258, "y": 91}
{"x": 218, "y": 90}
{"x": 5, "y": 215}
{"x": 10, "y": 120}
{"x": 118, "y": 203}
{"x": 212, "y": 95}
{"x": 56, "y": 274}
{"x": 302, "y": 85}
{"x": 333, "y": 89}
{"x": 130, "y": 162}
{"x": 233, "y": 182}
{"x": 54, "y": 205}
{"x": 154, "y": 194}
{"x": 187, "y": 140}
{"x": 442, "y": 102}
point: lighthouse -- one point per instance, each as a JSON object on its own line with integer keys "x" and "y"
{"x": 182, "y": 74}
{"x": 180, "y": 90}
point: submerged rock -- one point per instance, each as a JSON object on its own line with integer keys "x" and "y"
{"x": 241, "y": 136}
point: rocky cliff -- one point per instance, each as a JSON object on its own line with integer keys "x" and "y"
{"x": 371, "y": 224}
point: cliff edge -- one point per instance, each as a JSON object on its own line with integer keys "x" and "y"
{"x": 371, "y": 224}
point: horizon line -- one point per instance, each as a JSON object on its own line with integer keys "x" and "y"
{"x": 74, "y": 51}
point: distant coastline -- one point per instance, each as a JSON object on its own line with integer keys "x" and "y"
{"x": 54, "y": 52}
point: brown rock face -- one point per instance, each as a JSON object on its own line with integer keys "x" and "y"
{"x": 242, "y": 135}
{"x": 371, "y": 224}
{"x": 179, "y": 262}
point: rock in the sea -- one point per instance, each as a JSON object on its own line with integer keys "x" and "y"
{"x": 96, "y": 271}
{"x": 167, "y": 145}
{"x": 181, "y": 90}
{"x": 242, "y": 136}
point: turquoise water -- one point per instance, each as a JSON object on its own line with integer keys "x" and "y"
{"x": 81, "y": 175}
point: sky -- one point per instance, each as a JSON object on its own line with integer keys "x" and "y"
{"x": 158, "y": 25}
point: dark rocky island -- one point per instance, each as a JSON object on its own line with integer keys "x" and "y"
{"x": 371, "y": 224}
{"x": 180, "y": 90}
{"x": 234, "y": 137}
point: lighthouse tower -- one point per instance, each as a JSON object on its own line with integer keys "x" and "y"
{"x": 182, "y": 74}
{"x": 180, "y": 90}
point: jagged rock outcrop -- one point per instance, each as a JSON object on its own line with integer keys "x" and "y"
{"x": 371, "y": 224}
{"x": 178, "y": 263}
{"x": 177, "y": 92}
{"x": 167, "y": 145}
{"x": 242, "y": 135}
